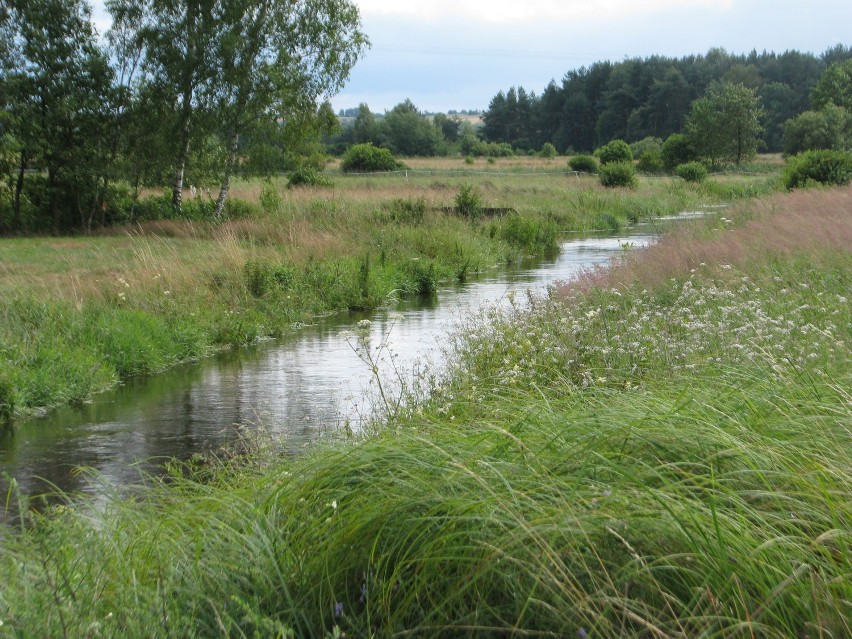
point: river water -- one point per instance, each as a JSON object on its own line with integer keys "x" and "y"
{"x": 296, "y": 388}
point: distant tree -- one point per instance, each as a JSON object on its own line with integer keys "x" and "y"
{"x": 364, "y": 126}
{"x": 779, "y": 101}
{"x": 448, "y": 126}
{"x": 725, "y": 124}
{"x": 829, "y": 128}
{"x": 409, "y": 132}
{"x": 834, "y": 86}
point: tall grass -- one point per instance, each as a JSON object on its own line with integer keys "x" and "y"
{"x": 163, "y": 291}
{"x": 671, "y": 459}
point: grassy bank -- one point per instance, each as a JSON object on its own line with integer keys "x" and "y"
{"x": 78, "y": 315}
{"x": 667, "y": 454}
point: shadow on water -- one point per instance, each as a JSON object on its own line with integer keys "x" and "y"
{"x": 296, "y": 388}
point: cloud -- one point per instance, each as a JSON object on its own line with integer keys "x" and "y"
{"x": 529, "y": 10}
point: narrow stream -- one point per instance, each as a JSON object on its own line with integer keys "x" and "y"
{"x": 296, "y": 388}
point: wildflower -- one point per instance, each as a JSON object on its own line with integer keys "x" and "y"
{"x": 338, "y": 608}
{"x": 364, "y": 323}
{"x": 396, "y": 317}
{"x": 334, "y": 505}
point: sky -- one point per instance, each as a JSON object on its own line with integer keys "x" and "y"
{"x": 457, "y": 54}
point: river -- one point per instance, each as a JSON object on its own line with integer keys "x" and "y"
{"x": 296, "y": 388}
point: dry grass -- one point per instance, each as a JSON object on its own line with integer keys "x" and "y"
{"x": 810, "y": 221}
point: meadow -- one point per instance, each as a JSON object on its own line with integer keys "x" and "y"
{"x": 80, "y": 314}
{"x": 658, "y": 449}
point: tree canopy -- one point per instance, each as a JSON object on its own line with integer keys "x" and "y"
{"x": 651, "y": 97}
{"x": 177, "y": 90}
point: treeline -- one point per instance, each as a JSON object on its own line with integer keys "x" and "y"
{"x": 177, "y": 92}
{"x": 640, "y": 98}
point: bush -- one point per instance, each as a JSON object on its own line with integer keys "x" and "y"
{"x": 818, "y": 167}
{"x": 617, "y": 151}
{"x": 583, "y": 164}
{"x": 646, "y": 144}
{"x": 547, "y": 150}
{"x": 307, "y": 175}
{"x": 691, "y": 172}
{"x": 618, "y": 174}
{"x": 366, "y": 158}
{"x": 236, "y": 209}
{"x": 468, "y": 201}
{"x": 677, "y": 149}
{"x": 651, "y": 161}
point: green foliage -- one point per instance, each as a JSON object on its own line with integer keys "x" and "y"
{"x": 818, "y": 167}
{"x": 691, "y": 172}
{"x": 615, "y": 151}
{"x": 408, "y": 210}
{"x": 725, "y": 124}
{"x": 618, "y": 174}
{"x": 270, "y": 199}
{"x": 366, "y": 158}
{"x": 651, "y": 161}
{"x": 530, "y": 234}
{"x": 547, "y": 150}
{"x": 583, "y": 164}
{"x": 473, "y": 146}
{"x": 468, "y": 201}
{"x": 649, "y": 143}
{"x": 410, "y": 133}
{"x": 678, "y": 149}
{"x": 829, "y": 128}
{"x": 307, "y": 176}
{"x": 262, "y": 277}
{"x": 237, "y": 209}
{"x": 834, "y": 87}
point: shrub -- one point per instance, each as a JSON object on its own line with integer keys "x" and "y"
{"x": 307, "y": 175}
{"x": 236, "y": 209}
{"x": 677, "y": 149}
{"x": 583, "y": 164}
{"x": 646, "y": 144}
{"x": 618, "y": 174}
{"x": 651, "y": 161}
{"x": 547, "y": 150}
{"x": 468, "y": 201}
{"x": 691, "y": 172}
{"x": 818, "y": 167}
{"x": 617, "y": 151}
{"x": 366, "y": 158}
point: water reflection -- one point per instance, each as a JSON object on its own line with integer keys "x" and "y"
{"x": 297, "y": 388}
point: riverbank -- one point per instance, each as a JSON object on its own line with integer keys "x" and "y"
{"x": 78, "y": 315}
{"x": 667, "y": 454}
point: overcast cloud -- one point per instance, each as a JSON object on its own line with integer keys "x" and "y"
{"x": 457, "y": 54}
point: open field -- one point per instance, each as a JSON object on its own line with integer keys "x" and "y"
{"x": 80, "y": 314}
{"x": 665, "y": 454}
